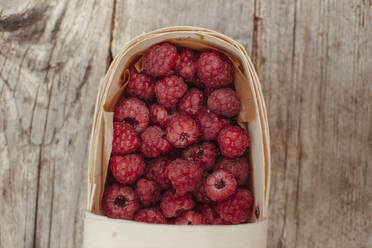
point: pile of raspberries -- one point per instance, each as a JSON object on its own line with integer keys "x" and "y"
{"x": 178, "y": 156}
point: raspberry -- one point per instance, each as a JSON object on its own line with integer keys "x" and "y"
{"x": 220, "y": 185}
{"x": 147, "y": 192}
{"x": 156, "y": 172}
{"x": 169, "y": 90}
{"x": 209, "y": 125}
{"x": 159, "y": 115}
{"x": 198, "y": 83}
{"x": 233, "y": 141}
{"x": 199, "y": 193}
{"x": 128, "y": 168}
{"x": 214, "y": 69}
{"x": 236, "y": 166}
{"x": 173, "y": 204}
{"x": 153, "y": 142}
{"x": 210, "y": 215}
{"x": 203, "y": 154}
{"x": 190, "y": 218}
{"x": 150, "y": 215}
{"x": 161, "y": 60}
{"x": 224, "y": 102}
{"x": 125, "y": 139}
{"x": 182, "y": 131}
{"x": 188, "y": 64}
{"x": 237, "y": 208}
{"x": 191, "y": 102}
{"x": 120, "y": 202}
{"x": 184, "y": 175}
{"x": 133, "y": 112}
{"x": 140, "y": 85}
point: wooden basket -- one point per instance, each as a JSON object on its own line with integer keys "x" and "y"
{"x": 101, "y": 231}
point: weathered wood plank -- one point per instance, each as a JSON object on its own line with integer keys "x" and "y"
{"x": 53, "y": 55}
{"x": 315, "y": 67}
{"x": 133, "y": 17}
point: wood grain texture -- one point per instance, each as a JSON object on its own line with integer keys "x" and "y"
{"x": 53, "y": 55}
{"x": 314, "y": 59}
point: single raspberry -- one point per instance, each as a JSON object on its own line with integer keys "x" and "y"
{"x": 191, "y": 102}
{"x": 188, "y": 64}
{"x": 147, "y": 192}
{"x": 224, "y": 102}
{"x": 184, "y": 175}
{"x": 154, "y": 142}
{"x": 125, "y": 139}
{"x": 161, "y": 60}
{"x": 169, "y": 90}
{"x": 210, "y": 215}
{"x": 215, "y": 70}
{"x": 237, "y": 208}
{"x": 128, "y": 168}
{"x": 172, "y": 204}
{"x": 120, "y": 202}
{"x": 159, "y": 115}
{"x": 233, "y": 141}
{"x": 190, "y": 218}
{"x": 220, "y": 185}
{"x": 150, "y": 215}
{"x": 156, "y": 172}
{"x": 182, "y": 131}
{"x": 199, "y": 192}
{"x": 133, "y": 112}
{"x": 140, "y": 85}
{"x": 236, "y": 166}
{"x": 210, "y": 125}
{"x": 203, "y": 154}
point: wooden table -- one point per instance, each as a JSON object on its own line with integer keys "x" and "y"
{"x": 315, "y": 62}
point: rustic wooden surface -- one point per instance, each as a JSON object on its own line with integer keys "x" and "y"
{"x": 315, "y": 62}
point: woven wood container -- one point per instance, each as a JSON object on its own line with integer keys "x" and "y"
{"x": 101, "y": 231}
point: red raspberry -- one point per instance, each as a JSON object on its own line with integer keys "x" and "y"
{"x": 154, "y": 142}
{"x": 203, "y": 154}
{"x": 125, "y": 139}
{"x": 173, "y": 204}
{"x": 199, "y": 193}
{"x": 147, "y": 192}
{"x": 182, "y": 131}
{"x": 140, "y": 85}
{"x": 133, "y": 112}
{"x": 156, "y": 172}
{"x": 236, "y": 166}
{"x": 161, "y": 60}
{"x": 159, "y": 115}
{"x": 120, "y": 202}
{"x": 215, "y": 70}
{"x": 210, "y": 215}
{"x": 210, "y": 125}
{"x": 190, "y": 218}
{"x": 191, "y": 102}
{"x": 128, "y": 168}
{"x": 198, "y": 83}
{"x": 150, "y": 215}
{"x": 184, "y": 175}
{"x": 237, "y": 208}
{"x": 233, "y": 141}
{"x": 220, "y": 185}
{"x": 224, "y": 102}
{"x": 188, "y": 64}
{"x": 169, "y": 90}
